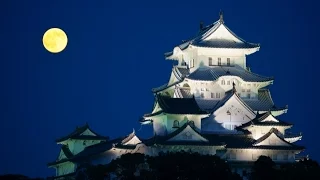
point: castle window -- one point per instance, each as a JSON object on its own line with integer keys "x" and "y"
{"x": 202, "y": 89}
{"x": 228, "y": 61}
{"x": 248, "y": 90}
{"x": 192, "y": 63}
{"x": 248, "y": 95}
{"x": 223, "y": 82}
{"x": 243, "y": 90}
{"x": 212, "y": 95}
{"x": 217, "y": 95}
{"x": 202, "y": 95}
{"x": 219, "y": 61}
{"x": 175, "y": 124}
{"x": 210, "y": 61}
{"x": 207, "y": 89}
{"x": 228, "y": 82}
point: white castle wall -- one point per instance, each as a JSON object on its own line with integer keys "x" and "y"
{"x": 253, "y": 155}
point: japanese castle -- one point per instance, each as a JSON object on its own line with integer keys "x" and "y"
{"x": 212, "y": 104}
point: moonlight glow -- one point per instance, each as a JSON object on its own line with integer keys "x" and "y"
{"x": 55, "y": 40}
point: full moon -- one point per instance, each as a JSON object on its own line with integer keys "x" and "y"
{"x": 55, "y": 40}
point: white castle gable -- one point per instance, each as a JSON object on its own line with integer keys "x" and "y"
{"x": 273, "y": 140}
{"x": 233, "y": 112}
{"x": 188, "y": 134}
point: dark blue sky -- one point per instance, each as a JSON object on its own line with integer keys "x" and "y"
{"x": 115, "y": 56}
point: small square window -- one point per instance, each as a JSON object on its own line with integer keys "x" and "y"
{"x": 202, "y": 95}
{"x": 210, "y": 61}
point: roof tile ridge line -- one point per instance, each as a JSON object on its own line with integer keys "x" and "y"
{"x": 77, "y": 131}
{"x": 129, "y": 137}
{"x": 57, "y": 158}
{"x": 66, "y": 151}
{"x": 244, "y": 103}
{"x": 264, "y": 116}
{"x": 96, "y": 134}
{"x": 213, "y": 74}
{"x": 190, "y": 40}
{"x": 269, "y": 96}
{"x": 162, "y": 102}
{"x": 218, "y": 103}
{"x": 193, "y": 128}
{"x": 272, "y": 131}
{"x": 258, "y": 75}
{"x": 176, "y": 132}
{"x": 210, "y": 31}
{"x": 276, "y": 132}
{"x": 244, "y": 41}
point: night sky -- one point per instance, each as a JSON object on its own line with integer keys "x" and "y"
{"x": 115, "y": 57}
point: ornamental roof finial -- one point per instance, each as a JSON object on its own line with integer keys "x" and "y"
{"x": 234, "y": 87}
{"x": 221, "y": 16}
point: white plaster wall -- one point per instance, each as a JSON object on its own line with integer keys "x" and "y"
{"x": 273, "y": 140}
{"x": 206, "y": 87}
{"x": 188, "y": 134}
{"x": 159, "y": 125}
{"x": 77, "y": 146}
{"x": 259, "y": 131}
{"x": 182, "y": 120}
{"x": 239, "y": 113}
{"x": 61, "y": 155}
{"x": 253, "y": 155}
{"x": 65, "y": 168}
{"x": 135, "y": 140}
{"x": 88, "y": 132}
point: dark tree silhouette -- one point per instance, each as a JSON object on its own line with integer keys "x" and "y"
{"x": 263, "y": 168}
{"x": 169, "y": 166}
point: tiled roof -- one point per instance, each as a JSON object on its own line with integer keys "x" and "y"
{"x": 65, "y": 149}
{"x": 212, "y": 73}
{"x": 76, "y": 134}
{"x": 230, "y": 140}
{"x": 96, "y": 149}
{"x": 198, "y": 40}
{"x": 58, "y": 162}
{"x": 258, "y": 121}
{"x": 179, "y": 105}
{"x": 163, "y": 140}
{"x": 220, "y": 43}
{"x": 184, "y": 92}
{"x": 263, "y": 103}
{"x": 289, "y": 146}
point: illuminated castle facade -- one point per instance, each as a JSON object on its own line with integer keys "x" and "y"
{"x": 212, "y": 104}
